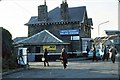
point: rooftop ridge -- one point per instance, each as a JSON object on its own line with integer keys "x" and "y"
{"x": 38, "y": 34}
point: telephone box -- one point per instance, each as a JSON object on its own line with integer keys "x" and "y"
{"x": 22, "y": 56}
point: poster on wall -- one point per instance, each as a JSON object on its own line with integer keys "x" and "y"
{"x": 49, "y": 47}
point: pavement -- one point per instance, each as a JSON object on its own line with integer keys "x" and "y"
{"x": 13, "y": 71}
{"x": 71, "y": 59}
{"x": 77, "y": 68}
{"x": 35, "y": 63}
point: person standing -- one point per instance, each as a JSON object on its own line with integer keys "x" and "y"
{"x": 94, "y": 54}
{"x": 63, "y": 58}
{"x": 113, "y": 53}
{"x": 87, "y": 49}
{"x": 107, "y": 53}
{"x": 46, "y": 57}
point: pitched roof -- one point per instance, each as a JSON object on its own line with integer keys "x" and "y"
{"x": 112, "y": 32}
{"x": 108, "y": 42}
{"x": 18, "y": 39}
{"x": 40, "y": 38}
{"x": 75, "y": 14}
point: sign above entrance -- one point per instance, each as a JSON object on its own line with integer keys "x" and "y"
{"x": 69, "y": 32}
{"x": 49, "y": 47}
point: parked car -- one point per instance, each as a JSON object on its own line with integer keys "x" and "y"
{"x": 99, "y": 54}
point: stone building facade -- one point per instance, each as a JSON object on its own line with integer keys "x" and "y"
{"x": 63, "y": 18}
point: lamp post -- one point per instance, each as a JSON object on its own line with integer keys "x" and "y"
{"x": 99, "y": 27}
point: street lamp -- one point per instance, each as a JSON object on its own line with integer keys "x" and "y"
{"x": 99, "y": 27}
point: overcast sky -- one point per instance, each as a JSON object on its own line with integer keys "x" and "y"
{"x": 15, "y": 13}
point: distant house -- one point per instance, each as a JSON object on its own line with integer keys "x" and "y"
{"x": 112, "y": 39}
{"x": 66, "y": 25}
{"x": 115, "y": 36}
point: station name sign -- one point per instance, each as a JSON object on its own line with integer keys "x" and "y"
{"x": 69, "y": 32}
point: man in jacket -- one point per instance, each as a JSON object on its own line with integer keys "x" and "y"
{"x": 113, "y": 53}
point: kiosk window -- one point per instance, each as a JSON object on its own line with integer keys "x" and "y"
{"x": 37, "y": 50}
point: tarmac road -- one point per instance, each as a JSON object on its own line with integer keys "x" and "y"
{"x": 75, "y": 69}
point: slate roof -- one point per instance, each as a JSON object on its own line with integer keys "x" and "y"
{"x": 108, "y": 42}
{"x": 112, "y": 32}
{"x": 75, "y": 14}
{"x": 18, "y": 39}
{"x": 41, "y": 38}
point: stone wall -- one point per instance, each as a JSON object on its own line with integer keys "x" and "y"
{"x": 55, "y": 30}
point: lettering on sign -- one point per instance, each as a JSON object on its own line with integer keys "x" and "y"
{"x": 49, "y": 47}
{"x": 69, "y": 32}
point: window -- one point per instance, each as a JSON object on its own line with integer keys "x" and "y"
{"x": 75, "y": 38}
{"x": 84, "y": 45}
{"x": 37, "y": 49}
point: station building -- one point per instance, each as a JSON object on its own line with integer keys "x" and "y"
{"x": 64, "y": 26}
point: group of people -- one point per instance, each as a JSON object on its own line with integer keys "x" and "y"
{"x": 109, "y": 52}
{"x": 63, "y": 58}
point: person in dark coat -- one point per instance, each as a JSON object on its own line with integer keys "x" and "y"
{"x": 45, "y": 57}
{"x": 105, "y": 54}
{"x": 113, "y": 53}
{"x": 87, "y": 49}
{"x": 63, "y": 58}
{"x": 94, "y": 54}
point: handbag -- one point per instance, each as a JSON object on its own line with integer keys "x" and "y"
{"x": 61, "y": 58}
{"x": 62, "y": 61}
{"x": 43, "y": 59}
{"x": 110, "y": 54}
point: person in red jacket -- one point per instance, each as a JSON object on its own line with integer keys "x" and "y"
{"x": 63, "y": 58}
